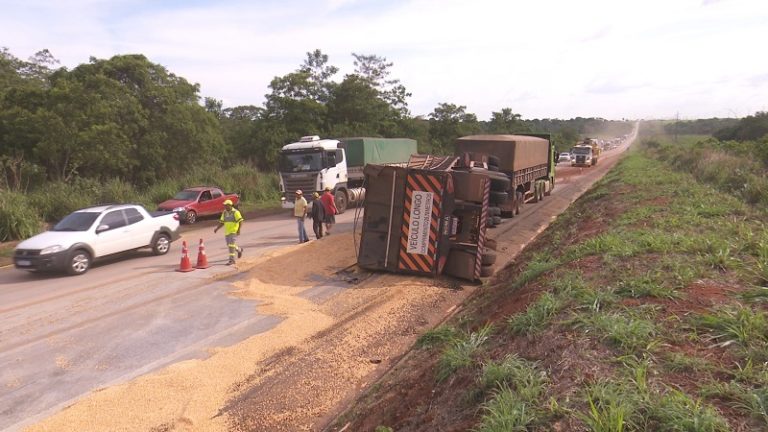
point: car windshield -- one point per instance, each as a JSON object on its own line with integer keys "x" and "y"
{"x": 300, "y": 162}
{"x": 78, "y": 221}
{"x": 186, "y": 195}
{"x": 582, "y": 151}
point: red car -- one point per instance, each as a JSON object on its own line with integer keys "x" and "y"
{"x": 194, "y": 202}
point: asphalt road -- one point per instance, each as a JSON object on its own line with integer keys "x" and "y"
{"x": 63, "y": 336}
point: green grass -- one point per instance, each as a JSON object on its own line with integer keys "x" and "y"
{"x": 460, "y": 352}
{"x": 626, "y": 331}
{"x": 437, "y": 337}
{"x": 537, "y": 316}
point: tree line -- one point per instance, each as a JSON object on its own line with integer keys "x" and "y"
{"x": 129, "y": 118}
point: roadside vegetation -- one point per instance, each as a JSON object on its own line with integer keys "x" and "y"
{"x": 644, "y": 307}
{"x": 127, "y": 129}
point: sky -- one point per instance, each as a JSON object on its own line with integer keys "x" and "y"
{"x": 614, "y": 59}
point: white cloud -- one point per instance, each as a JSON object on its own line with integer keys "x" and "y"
{"x": 551, "y": 58}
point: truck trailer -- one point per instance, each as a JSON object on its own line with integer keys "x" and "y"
{"x": 313, "y": 164}
{"x": 522, "y": 167}
{"x": 426, "y": 221}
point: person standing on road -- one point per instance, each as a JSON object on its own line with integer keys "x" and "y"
{"x": 329, "y": 203}
{"x": 318, "y": 215}
{"x": 231, "y": 220}
{"x": 300, "y": 213}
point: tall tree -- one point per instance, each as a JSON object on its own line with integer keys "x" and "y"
{"x": 320, "y": 73}
{"x": 506, "y": 122}
{"x": 448, "y": 122}
{"x": 376, "y": 70}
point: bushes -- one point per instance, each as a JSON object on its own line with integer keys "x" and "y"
{"x": 22, "y": 215}
{"x": 18, "y": 218}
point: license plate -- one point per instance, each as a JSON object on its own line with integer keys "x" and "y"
{"x": 24, "y": 263}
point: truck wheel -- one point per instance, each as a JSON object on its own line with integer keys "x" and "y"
{"x": 191, "y": 217}
{"x": 486, "y": 271}
{"x": 161, "y": 245}
{"x": 79, "y": 262}
{"x": 341, "y": 201}
{"x": 495, "y": 161}
{"x": 489, "y": 257}
{"x": 497, "y": 197}
{"x": 497, "y": 220}
{"x": 494, "y": 211}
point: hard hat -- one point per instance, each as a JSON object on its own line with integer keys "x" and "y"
{"x": 228, "y": 202}
{"x": 298, "y": 192}
{"x": 316, "y": 195}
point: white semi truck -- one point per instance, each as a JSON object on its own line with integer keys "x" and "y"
{"x": 313, "y": 164}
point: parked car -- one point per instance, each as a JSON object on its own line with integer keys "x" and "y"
{"x": 564, "y": 157}
{"x": 96, "y": 232}
{"x": 194, "y": 202}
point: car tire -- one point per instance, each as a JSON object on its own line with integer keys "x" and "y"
{"x": 190, "y": 217}
{"x": 161, "y": 245}
{"x": 79, "y": 262}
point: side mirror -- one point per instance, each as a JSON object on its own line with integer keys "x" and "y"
{"x": 102, "y": 228}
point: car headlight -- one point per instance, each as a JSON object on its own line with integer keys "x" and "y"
{"x": 52, "y": 249}
{"x": 178, "y": 209}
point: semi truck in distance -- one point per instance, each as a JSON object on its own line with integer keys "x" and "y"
{"x": 313, "y": 164}
{"x": 586, "y": 153}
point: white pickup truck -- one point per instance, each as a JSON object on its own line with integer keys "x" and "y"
{"x": 93, "y": 233}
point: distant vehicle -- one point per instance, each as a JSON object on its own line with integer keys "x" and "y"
{"x": 194, "y": 202}
{"x": 583, "y": 156}
{"x": 93, "y": 233}
{"x": 564, "y": 157}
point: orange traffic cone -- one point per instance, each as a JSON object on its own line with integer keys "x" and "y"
{"x": 185, "y": 265}
{"x": 202, "y": 258}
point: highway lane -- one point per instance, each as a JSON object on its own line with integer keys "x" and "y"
{"x": 63, "y": 336}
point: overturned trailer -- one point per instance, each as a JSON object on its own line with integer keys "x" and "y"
{"x": 426, "y": 221}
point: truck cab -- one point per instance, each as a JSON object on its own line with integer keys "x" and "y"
{"x": 311, "y": 164}
{"x": 581, "y": 155}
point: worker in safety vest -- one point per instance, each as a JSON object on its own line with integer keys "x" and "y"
{"x": 232, "y": 221}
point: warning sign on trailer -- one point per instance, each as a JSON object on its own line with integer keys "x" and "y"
{"x": 418, "y": 229}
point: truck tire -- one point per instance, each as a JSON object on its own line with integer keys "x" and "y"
{"x": 496, "y": 220}
{"x": 486, "y": 271}
{"x": 489, "y": 257}
{"x": 499, "y": 183}
{"x": 494, "y": 160}
{"x": 161, "y": 245}
{"x": 190, "y": 217}
{"x": 490, "y": 223}
{"x": 498, "y": 197}
{"x": 341, "y": 201}
{"x": 494, "y": 211}
{"x": 79, "y": 262}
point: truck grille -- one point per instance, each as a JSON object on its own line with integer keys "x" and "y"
{"x": 581, "y": 159}
{"x": 305, "y": 182}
